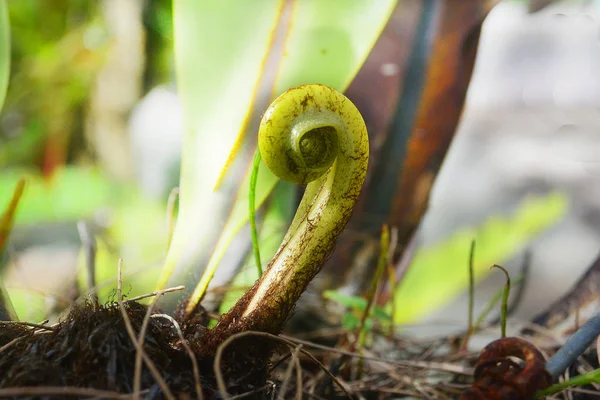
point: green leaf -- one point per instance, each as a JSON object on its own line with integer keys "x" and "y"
{"x": 219, "y": 52}
{"x": 356, "y": 303}
{"x": 380, "y": 314}
{"x": 219, "y": 49}
{"x": 350, "y": 321}
{"x": 438, "y": 274}
{"x": 4, "y": 50}
{"x": 330, "y": 40}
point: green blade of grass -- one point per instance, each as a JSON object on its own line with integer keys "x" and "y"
{"x": 382, "y": 263}
{"x": 8, "y": 217}
{"x": 504, "y": 306}
{"x": 491, "y": 304}
{"x": 580, "y": 380}
{"x": 252, "y": 211}
{"x": 465, "y": 342}
{"x": 276, "y": 217}
{"x": 7, "y": 311}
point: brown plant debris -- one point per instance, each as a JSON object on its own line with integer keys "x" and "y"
{"x": 91, "y": 348}
{"x": 497, "y": 377}
{"x": 91, "y": 354}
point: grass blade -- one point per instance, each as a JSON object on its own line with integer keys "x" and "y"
{"x": 252, "y": 211}
{"x": 505, "y": 294}
{"x": 7, "y": 311}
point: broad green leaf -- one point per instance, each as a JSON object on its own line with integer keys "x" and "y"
{"x": 346, "y": 31}
{"x": 439, "y": 273}
{"x": 330, "y": 40}
{"x": 219, "y": 51}
{"x": 4, "y": 50}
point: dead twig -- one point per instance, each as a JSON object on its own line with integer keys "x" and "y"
{"x": 432, "y": 365}
{"x": 288, "y": 374}
{"x": 9, "y": 344}
{"x": 145, "y": 296}
{"x": 60, "y": 391}
{"x": 31, "y": 324}
{"x": 251, "y": 393}
{"x": 229, "y": 340}
{"x": 153, "y": 370}
{"x": 137, "y": 374}
{"x": 189, "y": 351}
{"x": 90, "y": 248}
{"x": 298, "y": 376}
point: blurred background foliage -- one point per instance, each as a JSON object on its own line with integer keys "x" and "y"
{"x": 58, "y": 50}
{"x": 78, "y": 144}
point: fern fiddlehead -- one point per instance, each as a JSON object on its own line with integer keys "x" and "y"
{"x": 310, "y": 135}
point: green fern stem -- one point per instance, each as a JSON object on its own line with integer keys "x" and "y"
{"x": 310, "y": 135}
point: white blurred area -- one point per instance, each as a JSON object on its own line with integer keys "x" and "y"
{"x": 531, "y": 125}
{"x": 156, "y": 131}
{"x": 549, "y": 58}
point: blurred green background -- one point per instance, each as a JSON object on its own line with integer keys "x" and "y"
{"x": 78, "y": 68}
{"x": 93, "y": 121}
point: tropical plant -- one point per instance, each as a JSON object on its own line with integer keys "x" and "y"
{"x": 215, "y": 173}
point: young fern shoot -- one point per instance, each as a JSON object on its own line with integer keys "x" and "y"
{"x": 310, "y": 135}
